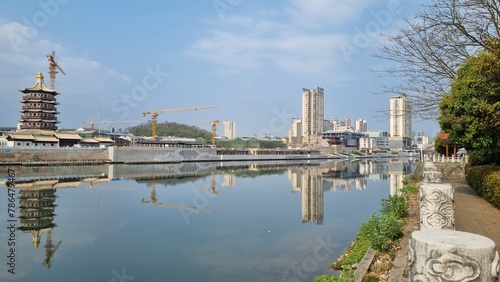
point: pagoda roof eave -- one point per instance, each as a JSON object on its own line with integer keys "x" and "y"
{"x": 39, "y": 101}
{"x": 38, "y": 110}
{"x": 39, "y": 86}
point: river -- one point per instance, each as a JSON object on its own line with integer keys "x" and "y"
{"x": 187, "y": 222}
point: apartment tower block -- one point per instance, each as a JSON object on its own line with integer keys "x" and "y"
{"x": 312, "y": 115}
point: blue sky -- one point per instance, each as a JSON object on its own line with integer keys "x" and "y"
{"x": 250, "y": 58}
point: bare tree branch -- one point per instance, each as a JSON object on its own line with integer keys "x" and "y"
{"x": 427, "y": 51}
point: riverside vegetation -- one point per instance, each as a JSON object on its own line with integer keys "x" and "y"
{"x": 382, "y": 232}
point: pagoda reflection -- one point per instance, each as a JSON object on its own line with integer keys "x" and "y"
{"x": 37, "y": 213}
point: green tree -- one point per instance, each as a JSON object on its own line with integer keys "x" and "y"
{"x": 471, "y": 111}
{"x": 171, "y": 129}
{"x": 439, "y": 145}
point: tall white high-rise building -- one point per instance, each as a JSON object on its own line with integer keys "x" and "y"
{"x": 312, "y": 115}
{"x": 229, "y": 129}
{"x": 400, "y": 117}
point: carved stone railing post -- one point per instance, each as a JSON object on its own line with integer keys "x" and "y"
{"x": 431, "y": 174}
{"x": 449, "y": 255}
{"x": 436, "y": 206}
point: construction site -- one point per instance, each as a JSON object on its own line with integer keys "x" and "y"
{"x": 38, "y": 125}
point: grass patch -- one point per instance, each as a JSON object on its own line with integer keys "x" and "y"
{"x": 354, "y": 253}
{"x": 345, "y": 276}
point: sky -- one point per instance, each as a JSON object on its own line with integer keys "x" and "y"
{"x": 250, "y": 58}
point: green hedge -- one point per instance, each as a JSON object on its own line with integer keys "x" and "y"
{"x": 485, "y": 180}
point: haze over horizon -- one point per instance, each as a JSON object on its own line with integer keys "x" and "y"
{"x": 250, "y": 58}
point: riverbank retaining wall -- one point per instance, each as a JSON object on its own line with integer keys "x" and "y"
{"x": 158, "y": 155}
{"x": 451, "y": 170}
{"x": 48, "y": 155}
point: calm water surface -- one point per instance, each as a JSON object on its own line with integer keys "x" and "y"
{"x": 189, "y": 222}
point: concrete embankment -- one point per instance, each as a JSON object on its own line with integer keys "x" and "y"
{"x": 53, "y": 156}
{"x": 141, "y": 155}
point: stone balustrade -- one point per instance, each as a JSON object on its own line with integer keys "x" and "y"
{"x": 437, "y": 206}
{"x": 436, "y": 158}
{"x": 437, "y": 252}
{"x": 431, "y": 174}
{"x": 436, "y": 200}
{"x": 449, "y": 255}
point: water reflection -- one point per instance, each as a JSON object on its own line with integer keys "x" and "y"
{"x": 243, "y": 210}
{"x": 37, "y": 212}
{"x": 152, "y": 201}
{"x": 312, "y": 182}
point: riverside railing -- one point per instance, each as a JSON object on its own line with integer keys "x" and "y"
{"x": 437, "y": 252}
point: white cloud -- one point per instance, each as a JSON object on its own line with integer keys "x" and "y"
{"x": 265, "y": 43}
{"x": 320, "y": 12}
{"x": 85, "y": 80}
{"x": 307, "y": 38}
{"x": 85, "y": 66}
{"x": 15, "y": 36}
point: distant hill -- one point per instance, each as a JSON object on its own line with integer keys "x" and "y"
{"x": 171, "y": 129}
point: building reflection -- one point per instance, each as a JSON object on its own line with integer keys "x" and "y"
{"x": 228, "y": 180}
{"x": 312, "y": 182}
{"x": 37, "y": 194}
{"x": 398, "y": 170}
{"x": 312, "y": 196}
{"x": 37, "y": 212}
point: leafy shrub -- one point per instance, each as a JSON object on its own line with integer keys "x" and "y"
{"x": 475, "y": 176}
{"x": 381, "y": 230}
{"x": 406, "y": 181}
{"x": 409, "y": 189}
{"x": 485, "y": 180}
{"x": 396, "y": 205}
{"x": 491, "y": 188}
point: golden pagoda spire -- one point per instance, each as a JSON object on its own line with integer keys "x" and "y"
{"x": 39, "y": 77}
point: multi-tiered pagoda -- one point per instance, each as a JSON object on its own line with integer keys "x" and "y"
{"x": 39, "y": 106}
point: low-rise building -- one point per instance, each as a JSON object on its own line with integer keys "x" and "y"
{"x": 346, "y": 138}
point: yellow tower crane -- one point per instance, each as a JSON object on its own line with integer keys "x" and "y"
{"x": 91, "y": 121}
{"x": 154, "y": 115}
{"x": 53, "y": 67}
{"x": 214, "y": 128}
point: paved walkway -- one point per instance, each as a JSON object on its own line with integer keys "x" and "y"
{"x": 473, "y": 213}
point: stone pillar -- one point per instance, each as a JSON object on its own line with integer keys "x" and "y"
{"x": 431, "y": 174}
{"x": 436, "y": 206}
{"x": 449, "y": 255}
{"x": 428, "y": 166}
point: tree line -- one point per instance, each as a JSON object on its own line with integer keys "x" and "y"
{"x": 171, "y": 129}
